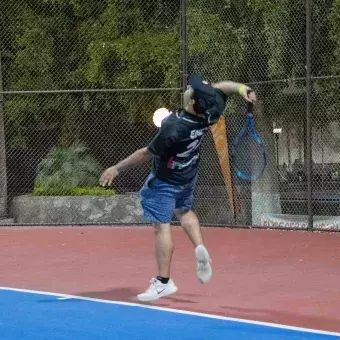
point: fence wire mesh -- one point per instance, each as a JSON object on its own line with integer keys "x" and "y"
{"x": 80, "y": 81}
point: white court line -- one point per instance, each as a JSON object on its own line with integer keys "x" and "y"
{"x": 178, "y": 311}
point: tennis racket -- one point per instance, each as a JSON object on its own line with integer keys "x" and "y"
{"x": 248, "y": 153}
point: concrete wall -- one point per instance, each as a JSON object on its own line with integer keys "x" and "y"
{"x": 123, "y": 209}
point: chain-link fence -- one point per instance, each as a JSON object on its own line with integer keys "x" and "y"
{"x": 80, "y": 82}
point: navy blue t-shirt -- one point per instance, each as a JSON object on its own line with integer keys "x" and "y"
{"x": 176, "y": 147}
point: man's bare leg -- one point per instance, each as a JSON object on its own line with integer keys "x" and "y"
{"x": 191, "y": 226}
{"x": 164, "y": 247}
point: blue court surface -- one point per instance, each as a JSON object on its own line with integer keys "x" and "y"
{"x": 34, "y": 315}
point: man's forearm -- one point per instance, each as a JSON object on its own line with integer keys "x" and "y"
{"x": 139, "y": 157}
{"x": 230, "y": 87}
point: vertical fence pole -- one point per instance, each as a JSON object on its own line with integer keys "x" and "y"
{"x": 184, "y": 46}
{"x": 3, "y": 173}
{"x": 308, "y": 113}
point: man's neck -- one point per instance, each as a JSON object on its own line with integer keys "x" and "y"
{"x": 194, "y": 113}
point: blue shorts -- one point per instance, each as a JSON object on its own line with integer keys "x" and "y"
{"x": 159, "y": 199}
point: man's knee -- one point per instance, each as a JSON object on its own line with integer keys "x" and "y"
{"x": 186, "y": 215}
{"x": 161, "y": 227}
{"x": 181, "y": 212}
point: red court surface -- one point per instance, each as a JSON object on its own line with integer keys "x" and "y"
{"x": 286, "y": 277}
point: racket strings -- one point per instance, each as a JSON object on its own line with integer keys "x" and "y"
{"x": 248, "y": 155}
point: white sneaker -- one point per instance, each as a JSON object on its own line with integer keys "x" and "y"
{"x": 204, "y": 271}
{"x": 157, "y": 289}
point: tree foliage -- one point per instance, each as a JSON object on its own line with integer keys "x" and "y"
{"x": 73, "y": 44}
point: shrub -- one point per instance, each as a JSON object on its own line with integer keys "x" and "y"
{"x": 72, "y": 191}
{"x": 69, "y": 171}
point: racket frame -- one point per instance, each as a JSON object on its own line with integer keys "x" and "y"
{"x": 249, "y": 124}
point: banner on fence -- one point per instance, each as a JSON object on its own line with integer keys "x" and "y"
{"x": 219, "y": 132}
{"x": 299, "y": 221}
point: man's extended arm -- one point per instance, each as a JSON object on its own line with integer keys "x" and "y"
{"x": 230, "y": 87}
{"x": 138, "y": 157}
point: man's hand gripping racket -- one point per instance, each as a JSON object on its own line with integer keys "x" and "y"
{"x": 248, "y": 95}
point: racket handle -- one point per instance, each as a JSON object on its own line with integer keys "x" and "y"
{"x": 250, "y": 105}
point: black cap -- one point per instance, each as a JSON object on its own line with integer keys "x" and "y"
{"x": 198, "y": 84}
{"x": 207, "y": 99}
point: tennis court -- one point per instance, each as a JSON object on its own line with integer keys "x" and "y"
{"x": 81, "y": 282}
{"x": 80, "y": 85}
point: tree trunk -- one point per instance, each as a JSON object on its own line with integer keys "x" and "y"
{"x": 265, "y": 191}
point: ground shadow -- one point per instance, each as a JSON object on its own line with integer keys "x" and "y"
{"x": 129, "y": 294}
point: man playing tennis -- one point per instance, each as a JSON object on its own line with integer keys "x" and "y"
{"x": 169, "y": 188}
